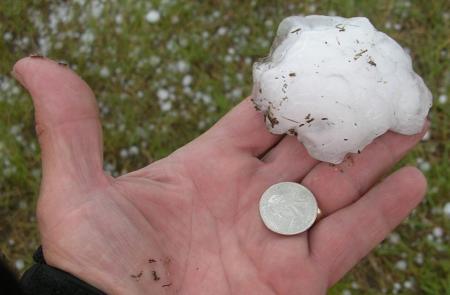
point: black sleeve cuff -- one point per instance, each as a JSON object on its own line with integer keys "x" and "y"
{"x": 42, "y": 279}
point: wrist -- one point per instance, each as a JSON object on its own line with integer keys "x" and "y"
{"x": 116, "y": 278}
{"x": 42, "y": 278}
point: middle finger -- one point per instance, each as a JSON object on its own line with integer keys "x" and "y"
{"x": 336, "y": 186}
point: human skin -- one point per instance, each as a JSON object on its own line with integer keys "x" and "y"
{"x": 195, "y": 212}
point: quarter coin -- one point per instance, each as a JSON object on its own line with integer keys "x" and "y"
{"x": 288, "y": 208}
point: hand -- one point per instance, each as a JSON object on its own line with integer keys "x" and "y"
{"x": 189, "y": 223}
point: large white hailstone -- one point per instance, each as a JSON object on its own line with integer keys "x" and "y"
{"x": 338, "y": 83}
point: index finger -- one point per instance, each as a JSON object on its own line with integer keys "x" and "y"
{"x": 244, "y": 129}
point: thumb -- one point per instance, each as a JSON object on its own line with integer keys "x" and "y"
{"x": 67, "y": 124}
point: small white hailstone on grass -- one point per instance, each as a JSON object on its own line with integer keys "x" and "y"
{"x": 446, "y": 15}
{"x": 15, "y": 129}
{"x": 19, "y": 264}
{"x": 397, "y": 287}
{"x": 394, "y": 238}
{"x": 109, "y": 168}
{"x": 216, "y": 14}
{"x": 346, "y": 292}
{"x": 419, "y": 258}
{"x": 153, "y": 16}
{"x": 182, "y": 66}
{"x": 245, "y": 30}
{"x": 7, "y": 36}
{"x": 11, "y": 242}
{"x": 171, "y": 45}
{"x": 58, "y": 45}
{"x": 87, "y": 36}
{"x": 165, "y": 106}
{"x": 10, "y": 171}
{"x": 408, "y": 284}
{"x": 15, "y": 90}
{"x": 133, "y": 150}
{"x": 154, "y": 60}
{"x": 23, "y": 205}
{"x": 206, "y": 98}
{"x": 212, "y": 108}
{"x": 446, "y": 209}
{"x": 433, "y": 190}
{"x": 5, "y": 83}
{"x": 97, "y": 8}
{"x": 44, "y": 45}
{"x": 187, "y": 80}
{"x": 338, "y": 83}
{"x": 183, "y": 42}
{"x": 312, "y": 8}
{"x": 162, "y": 94}
{"x": 118, "y": 19}
{"x": 25, "y": 41}
{"x": 187, "y": 90}
{"x": 228, "y": 58}
{"x": 401, "y": 265}
{"x": 104, "y": 72}
{"x": 442, "y": 98}
{"x": 425, "y": 166}
{"x": 174, "y": 19}
{"x": 236, "y": 93}
{"x": 438, "y": 232}
{"x": 268, "y": 23}
{"x": 123, "y": 153}
{"x": 36, "y": 173}
{"x": 201, "y": 124}
{"x": 222, "y": 31}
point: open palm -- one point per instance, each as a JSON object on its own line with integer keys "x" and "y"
{"x": 189, "y": 223}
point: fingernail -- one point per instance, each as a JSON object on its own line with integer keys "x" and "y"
{"x": 63, "y": 63}
{"x": 36, "y": 55}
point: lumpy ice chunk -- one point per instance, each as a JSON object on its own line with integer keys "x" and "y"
{"x": 337, "y": 84}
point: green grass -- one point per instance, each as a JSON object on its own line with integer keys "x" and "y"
{"x": 132, "y": 116}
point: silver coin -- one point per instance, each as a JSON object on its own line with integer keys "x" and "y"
{"x": 288, "y": 208}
